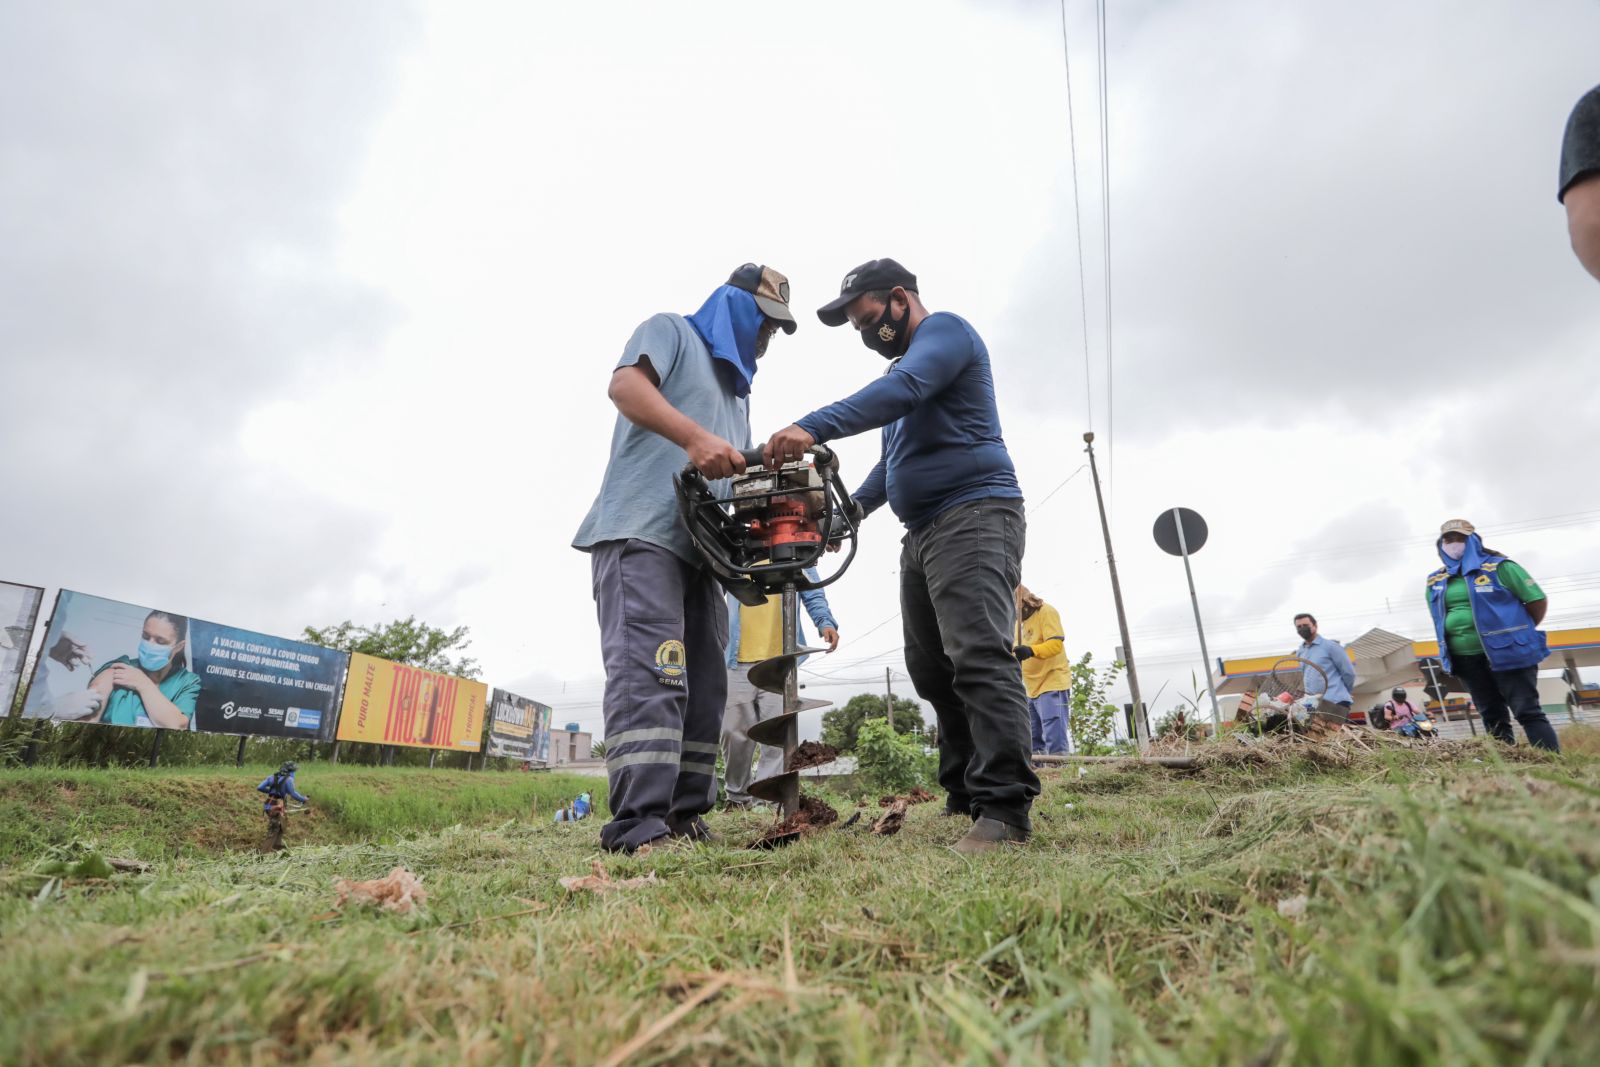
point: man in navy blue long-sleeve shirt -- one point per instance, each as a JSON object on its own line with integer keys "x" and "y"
{"x": 947, "y": 476}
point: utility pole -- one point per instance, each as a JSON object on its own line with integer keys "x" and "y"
{"x": 1139, "y": 727}
{"x": 888, "y": 699}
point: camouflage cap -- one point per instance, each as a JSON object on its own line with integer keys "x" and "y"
{"x": 1460, "y": 526}
{"x": 771, "y": 291}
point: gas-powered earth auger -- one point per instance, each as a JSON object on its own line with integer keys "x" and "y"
{"x": 760, "y": 539}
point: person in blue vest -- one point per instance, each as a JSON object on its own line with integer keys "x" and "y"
{"x": 578, "y": 809}
{"x": 1486, "y": 614}
{"x": 277, "y": 787}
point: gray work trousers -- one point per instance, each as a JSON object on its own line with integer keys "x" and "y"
{"x": 747, "y": 706}
{"x": 958, "y": 576}
{"x": 663, "y": 630}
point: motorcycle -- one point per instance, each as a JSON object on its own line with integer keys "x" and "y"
{"x": 1420, "y": 726}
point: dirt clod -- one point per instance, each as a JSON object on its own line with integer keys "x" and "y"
{"x": 600, "y": 881}
{"x": 399, "y": 891}
{"x": 813, "y": 815}
{"x": 893, "y": 818}
{"x": 811, "y": 754}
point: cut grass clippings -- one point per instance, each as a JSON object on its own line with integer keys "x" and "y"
{"x": 1443, "y": 909}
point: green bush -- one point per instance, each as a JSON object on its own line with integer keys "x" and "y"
{"x": 889, "y": 762}
{"x": 1093, "y": 714}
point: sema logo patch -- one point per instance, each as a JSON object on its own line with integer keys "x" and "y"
{"x": 670, "y": 662}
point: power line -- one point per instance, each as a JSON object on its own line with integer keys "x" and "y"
{"x": 1362, "y": 548}
{"x": 1032, "y": 509}
{"x": 1077, "y": 225}
{"x": 1582, "y": 581}
{"x": 1105, "y": 230}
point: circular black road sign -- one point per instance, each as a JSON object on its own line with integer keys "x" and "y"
{"x": 1166, "y": 531}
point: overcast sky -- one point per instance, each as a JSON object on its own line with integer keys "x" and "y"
{"x": 307, "y": 314}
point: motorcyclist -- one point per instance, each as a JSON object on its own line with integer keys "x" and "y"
{"x": 1405, "y": 718}
{"x": 277, "y": 787}
{"x": 1399, "y": 711}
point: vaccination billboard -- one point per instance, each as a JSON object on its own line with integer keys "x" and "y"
{"x": 19, "y": 610}
{"x": 519, "y": 728}
{"x": 104, "y": 661}
{"x": 391, "y": 704}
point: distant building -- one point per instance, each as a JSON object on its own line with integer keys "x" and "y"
{"x": 570, "y": 746}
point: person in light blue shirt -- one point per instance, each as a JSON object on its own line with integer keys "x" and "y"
{"x": 1338, "y": 675}
{"x": 681, "y": 390}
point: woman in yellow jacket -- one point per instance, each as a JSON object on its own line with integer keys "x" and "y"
{"x": 1045, "y": 672}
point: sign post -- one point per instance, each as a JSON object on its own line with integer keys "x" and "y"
{"x": 1181, "y": 532}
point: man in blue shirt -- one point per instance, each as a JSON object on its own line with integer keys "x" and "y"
{"x": 947, "y": 476}
{"x": 1329, "y": 656}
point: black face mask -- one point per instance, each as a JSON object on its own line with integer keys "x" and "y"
{"x": 1303, "y": 631}
{"x": 888, "y": 337}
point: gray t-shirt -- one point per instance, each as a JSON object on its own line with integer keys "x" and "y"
{"x": 636, "y": 498}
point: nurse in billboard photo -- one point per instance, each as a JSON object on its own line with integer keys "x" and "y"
{"x": 153, "y": 687}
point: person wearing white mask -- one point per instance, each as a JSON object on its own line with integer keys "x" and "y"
{"x": 1486, "y": 614}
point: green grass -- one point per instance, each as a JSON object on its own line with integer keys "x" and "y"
{"x": 145, "y": 814}
{"x": 1452, "y": 917}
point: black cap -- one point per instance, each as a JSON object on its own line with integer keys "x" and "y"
{"x": 870, "y": 277}
{"x": 771, "y": 291}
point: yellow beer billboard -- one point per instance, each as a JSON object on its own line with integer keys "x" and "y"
{"x": 391, "y": 704}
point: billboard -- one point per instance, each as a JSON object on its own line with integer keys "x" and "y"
{"x": 391, "y": 704}
{"x": 19, "y": 610}
{"x": 119, "y": 664}
{"x": 519, "y": 727}
{"x": 265, "y": 686}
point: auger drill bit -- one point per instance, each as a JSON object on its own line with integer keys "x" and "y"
{"x": 781, "y": 674}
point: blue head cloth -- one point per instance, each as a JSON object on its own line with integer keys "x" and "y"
{"x": 728, "y": 323}
{"x": 1470, "y": 560}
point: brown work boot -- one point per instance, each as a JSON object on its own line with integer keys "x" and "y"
{"x": 987, "y": 835}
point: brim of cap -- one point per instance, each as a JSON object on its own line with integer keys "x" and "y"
{"x": 779, "y": 313}
{"x": 833, "y": 312}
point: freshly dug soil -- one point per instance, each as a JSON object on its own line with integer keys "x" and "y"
{"x": 812, "y": 816}
{"x": 811, "y": 754}
{"x": 918, "y": 795}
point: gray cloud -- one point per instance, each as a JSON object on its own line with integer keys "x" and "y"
{"x": 1328, "y": 207}
{"x": 171, "y": 175}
